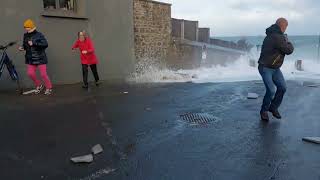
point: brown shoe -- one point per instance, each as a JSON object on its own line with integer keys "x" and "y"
{"x": 264, "y": 116}
{"x": 275, "y": 113}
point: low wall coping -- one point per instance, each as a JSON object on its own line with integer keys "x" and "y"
{"x": 210, "y": 46}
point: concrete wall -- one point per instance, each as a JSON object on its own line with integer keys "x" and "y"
{"x": 204, "y": 35}
{"x": 177, "y": 28}
{"x": 191, "y": 30}
{"x": 152, "y": 29}
{"x": 222, "y": 43}
{"x": 109, "y": 23}
{"x": 185, "y": 29}
{"x": 185, "y": 54}
{"x": 240, "y": 45}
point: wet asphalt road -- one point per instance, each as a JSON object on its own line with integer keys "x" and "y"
{"x": 144, "y": 137}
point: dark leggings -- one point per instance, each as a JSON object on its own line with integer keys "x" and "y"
{"x": 93, "y": 68}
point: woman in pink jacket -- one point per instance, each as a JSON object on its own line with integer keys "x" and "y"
{"x": 88, "y": 57}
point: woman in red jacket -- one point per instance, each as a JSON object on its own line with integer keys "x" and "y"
{"x": 88, "y": 57}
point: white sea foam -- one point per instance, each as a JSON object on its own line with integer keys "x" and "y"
{"x": 233, "y": 72}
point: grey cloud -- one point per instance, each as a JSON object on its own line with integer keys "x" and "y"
{"x": 249, "y": 17}
{"x": 241, "y": 6}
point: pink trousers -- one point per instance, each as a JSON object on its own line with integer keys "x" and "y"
{"x": 43, "y": 72}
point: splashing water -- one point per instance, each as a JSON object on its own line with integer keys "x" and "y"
{"x": 240, "y": 70}
{"x": 233, "y": 72}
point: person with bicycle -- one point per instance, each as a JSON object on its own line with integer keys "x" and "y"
{"x": 35, "y": 44}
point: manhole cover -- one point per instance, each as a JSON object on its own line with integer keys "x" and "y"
{"x": 198, "y": 118}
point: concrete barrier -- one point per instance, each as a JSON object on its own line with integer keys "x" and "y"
{"x": 298, "y": 65}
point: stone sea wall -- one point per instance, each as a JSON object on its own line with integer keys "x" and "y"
{"x": 152, "y": 30}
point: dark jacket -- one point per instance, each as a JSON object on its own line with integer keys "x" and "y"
{"x": 275, "y": 47}
{"x": 35, "y": 55}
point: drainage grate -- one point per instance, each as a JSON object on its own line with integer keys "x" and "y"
{"x": 198, "y": 118}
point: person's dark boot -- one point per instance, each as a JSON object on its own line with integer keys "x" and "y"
{"x": 85, "y": 86}
{"x": 264, "y": 116}
{"x": 98, "y": 83}
{"x": 275, "y": 113}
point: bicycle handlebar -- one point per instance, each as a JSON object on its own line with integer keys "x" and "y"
{"x": 8, "y": 45}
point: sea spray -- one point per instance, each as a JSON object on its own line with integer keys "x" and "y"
{"x": 240, "y": 70}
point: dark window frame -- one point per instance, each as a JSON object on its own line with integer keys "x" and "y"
{"x": 77, "y": 13}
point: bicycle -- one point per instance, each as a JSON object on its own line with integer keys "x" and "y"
{"x": 6, "y": 61}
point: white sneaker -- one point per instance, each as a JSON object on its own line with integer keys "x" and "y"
{"x": 38, "y": 89}
{"x": 48, "y": 92}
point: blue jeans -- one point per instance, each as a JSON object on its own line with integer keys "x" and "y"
{"x": 272, "y": 78}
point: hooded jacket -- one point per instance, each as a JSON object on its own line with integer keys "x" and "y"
{"x": 275, "y": 47}
{"x": 35, "y": 54}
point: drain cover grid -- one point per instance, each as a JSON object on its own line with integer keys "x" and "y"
{"x": 197, "y": 118}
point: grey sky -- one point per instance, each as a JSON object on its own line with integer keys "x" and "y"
{"x": 249, "y": 17}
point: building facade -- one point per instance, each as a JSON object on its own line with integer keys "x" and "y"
{"x": 109, "y": 23}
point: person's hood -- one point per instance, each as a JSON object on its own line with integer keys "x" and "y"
{"x": 274, "y": 29}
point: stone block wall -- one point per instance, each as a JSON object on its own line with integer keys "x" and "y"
{"x": 152, "y": 30}
{"x": 172, "y": 43}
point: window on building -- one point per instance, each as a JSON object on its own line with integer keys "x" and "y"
{"x": 64, "y": 5}
{"x": 65, "y": 8}
{"x": 49, "y": 4}
{"x": 67, "y": 5}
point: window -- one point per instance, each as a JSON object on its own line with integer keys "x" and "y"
{"x": 49, "y": 4}
{"x": 65, "y": 5}
{"x": 65, "y": 8}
